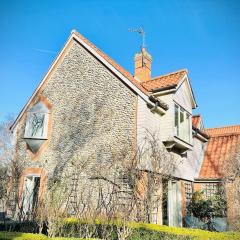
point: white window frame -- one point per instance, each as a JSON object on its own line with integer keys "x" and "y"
{"x": 27, "y": 196}
{"x": 182, "y": 130}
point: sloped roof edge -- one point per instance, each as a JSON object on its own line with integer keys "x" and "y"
{"x": 170, "y": 81}
{"x": 107, "y": 61}
{"x": 222, "y": 142}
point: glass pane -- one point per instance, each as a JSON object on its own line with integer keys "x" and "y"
{"x": 35, "y": 125}
{"x": 181, "y": 127}
{"x": 165, "y": 217}
{"x": 188, "y": 132}
{"x": 36, "y": 191}
{"x": 181, "y": 116}
{"x": 176, "y": 120}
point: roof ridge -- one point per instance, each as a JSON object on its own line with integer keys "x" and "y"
{"x": 109, "y": 58}
{"x": 123, "y": 73}
{"x": 216, "y": 135}
{"x": 231, "y": 130}
{"x": 168, "y": 74}
{"x": 228, "y": 126}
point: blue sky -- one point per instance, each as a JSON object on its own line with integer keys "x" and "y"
{"x": 202, "y": 36}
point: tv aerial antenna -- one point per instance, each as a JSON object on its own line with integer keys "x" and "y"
{"x": 140, "y": 31}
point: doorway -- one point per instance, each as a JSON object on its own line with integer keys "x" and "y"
{"x": 172, "y": 202}
{"x": 30, "y": 194}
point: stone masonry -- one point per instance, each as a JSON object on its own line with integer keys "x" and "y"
{"x": 93, "y": 116}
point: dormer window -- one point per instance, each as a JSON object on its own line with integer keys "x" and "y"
{"x": 182, "y": 124}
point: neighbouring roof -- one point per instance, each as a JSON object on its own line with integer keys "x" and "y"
{"x": 224, "y": 131}
{"x": 222, "y": 142}
{"x": 168, "y": 80}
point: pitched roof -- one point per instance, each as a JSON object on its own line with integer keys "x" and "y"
{"x": 113, "y": 63}
{"x": 222, "y": 142}
{"x": 224, "y": 131}
{"x": 95, "y": 51}
{"x": 121, "y": 70}
{"x": 168, "y": 80}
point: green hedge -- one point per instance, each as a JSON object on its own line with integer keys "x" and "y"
{"x": 30, "y": 236}
{"x": 147, "y": 231}
{"x": 182, "y": 233}
{"x": 140, "y": 231}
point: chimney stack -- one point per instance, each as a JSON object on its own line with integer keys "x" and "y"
{"x": 143, "y": 63}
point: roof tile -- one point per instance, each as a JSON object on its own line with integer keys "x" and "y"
{"x": 120, "y": 69}
{"x": 222, "y": 142}
{"x": 167, "y": 80}
{"x": 113, "y": 63}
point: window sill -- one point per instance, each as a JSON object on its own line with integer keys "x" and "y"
{"x": 176, "y": 142}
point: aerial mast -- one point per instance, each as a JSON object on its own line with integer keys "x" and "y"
{"x": 140, "y": 30}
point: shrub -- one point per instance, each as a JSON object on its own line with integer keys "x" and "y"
{"x": 16, "y": 226}
{"x": 140, "y": 231}
{"x": 145, "y": 231}
{"x": 30, "y": 236}
{"x": 207, "y": 211}
{"x": 21, "y": 236}
{"x": 186, "y": 233}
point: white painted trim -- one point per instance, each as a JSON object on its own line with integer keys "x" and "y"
{"x": 32, "y": 175}
{"x": 99, "y": 57}
{"x": 114, "y": 70}
{"x": 199, "y": 136}
{"x": 175, "y": 102}
{"x": 185, "y": 78}
{"x": 165, "y": 92}
{"x": 41, "y": 83}
{"x": 173, "y": 90}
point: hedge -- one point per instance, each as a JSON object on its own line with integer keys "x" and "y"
{"x": 185, "y": 233}
{"x": 31, "y": 236}
{"x": 141, "y": 231}
{"x": 147, "y": 231}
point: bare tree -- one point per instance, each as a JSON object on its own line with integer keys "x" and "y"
{"x": 119, "y": 189}
{"x": 6, "y": 157}
{"x": 231, "y": 170}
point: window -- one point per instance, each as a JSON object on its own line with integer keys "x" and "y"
{"x": 176, "y": 120}
{"x": 37, "y": 122}
{"x": 36, "y": 128}
{"x": 188, "y": 192}
{"x": 30, "y": 193}
{"x": 210, "y": 189}
{"x": 182, "y": 123}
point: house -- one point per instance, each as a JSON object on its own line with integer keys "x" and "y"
{"x": 89, "y": 107}
{"x": 222, "y": 143}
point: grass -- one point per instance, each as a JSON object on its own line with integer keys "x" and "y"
{"x": 32, "y": 236}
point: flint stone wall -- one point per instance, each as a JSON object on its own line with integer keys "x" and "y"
{"x": 93, "y": 118}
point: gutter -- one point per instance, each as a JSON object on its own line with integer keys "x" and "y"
{"x": 158, "y": 102}
{"x": 164, "y": 88}
{"x": 201, "y": 134}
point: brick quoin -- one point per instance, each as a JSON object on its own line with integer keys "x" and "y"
{"x": 43, "y": 181}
